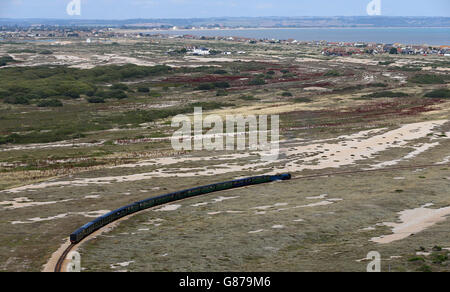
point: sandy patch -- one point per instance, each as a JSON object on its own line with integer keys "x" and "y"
{"x": 355, "y": 61}
{"x": 214, "y": 201}
{"x": 301, "y": 60}
{"x": 214, "y": 213}
{"x": 155, "y": 222}
{"x": 321, "y": 203}
{"x": 368, "y": 228}
{"x": 417, "y": 151}
{"x": 234, "y": 212}
{"x": 314, "y": 156}
{"x": 121, "y": 265}
{"x": 24, "y": 202}
{"x": 92, "y": 197}
{"x": 168, "y": 208}
{"x": 92, "y": 214}
{"x": 317, "y": 197}
{"x": 445, "y": 161}
{"x": 256, "y": 231}
{"x": 270, "y": 206}
{"x": 50, "y": 145}
{"x": 413, "y": 221}
{"x": 421, "y": 253}
{"x": 315, "y": 88}
{"x": 444, "y": 69}
{"x": 209, "y": 60}
{"x": 348, "y": 152}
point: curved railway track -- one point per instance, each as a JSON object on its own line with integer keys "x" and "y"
{"x": 62, "y": 258}
{"x": 60, "y": 263}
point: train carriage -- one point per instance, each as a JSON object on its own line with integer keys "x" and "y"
{"x": 112, "y": 216}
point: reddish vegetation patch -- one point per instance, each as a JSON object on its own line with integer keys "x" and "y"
{"x": 320, "y": 84}
{"x": 404, "y": 107}
{"x": 363, "y": 114}
{"x": 300, "y": 77}
{"x": 203, "y": 79}
{"x": 242, "y": 82}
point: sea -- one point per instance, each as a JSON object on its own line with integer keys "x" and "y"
{"x": 407, "y": 36}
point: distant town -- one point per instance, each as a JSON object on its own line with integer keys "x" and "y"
{"x": 109, "y": 34}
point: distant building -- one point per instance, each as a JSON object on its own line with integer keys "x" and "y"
{"x": 200, "y": 52}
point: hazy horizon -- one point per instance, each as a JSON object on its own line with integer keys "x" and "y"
{"x": 185, "y": 9}
{"x": 215, "y": 17}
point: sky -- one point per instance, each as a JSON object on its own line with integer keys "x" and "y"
{"x": 128, "y": 9}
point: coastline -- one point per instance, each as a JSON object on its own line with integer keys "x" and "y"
{"x": 274, "y": 28}
{"x": 432, "y": 36}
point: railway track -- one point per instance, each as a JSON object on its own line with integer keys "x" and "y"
{"x": 59, "y": 264}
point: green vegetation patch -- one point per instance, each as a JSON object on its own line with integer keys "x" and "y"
{"x": 257, "y": 81}
{"x": 386, "y": 63}
{"x": 21, "y": 85}
{"x": 439, "y": 93}
{"x": 427, "y": 79}
{"x": 95, "y": 100}
{"x": 50, "y": 103}
{"x": 409, "y": 69}
{"x": 46, "y": 52}
{"x": 383, "y": 94}
{"x": 302, "y": 100}
{"x": 5, "y": 60}
{"x": 22, "y": 51}
{"x": 137, "y": 117}
{"x": 248, "y": 97}
{"x": 333, "y": 73}
{"x": 215, "y": 85}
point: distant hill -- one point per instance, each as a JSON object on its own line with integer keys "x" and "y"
{"x": 246, "y": 22}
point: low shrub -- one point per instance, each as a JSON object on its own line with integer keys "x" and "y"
{"x": 221, "y": 92}
{"x": 302, "y": 100}
{"x": 220, "y": 72}
{"x": 46, "y": 52}
{"x": 16, "y": 100}
{"x": 427, "y": 79}
{"x": 248, "y": 97}
{"x": 205, "y": 86}
{"x": 439, "y": 93}
{"x": 385, "y": 94}
{"x": 332, "y": 73}
{"x": 257, "y": 81}
{"x": 143, "y": 89}
{"x": 221, "y": 84}
{"x": 120, "y": 86}
{"x": 50, "y": 103}
{"x": 155, "y": 94}
{"x": 96, "y": 100}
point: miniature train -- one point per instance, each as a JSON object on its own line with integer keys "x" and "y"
{"x": 104, "y": 220}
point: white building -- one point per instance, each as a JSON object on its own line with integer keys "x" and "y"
{"x": 201, "y": 52}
